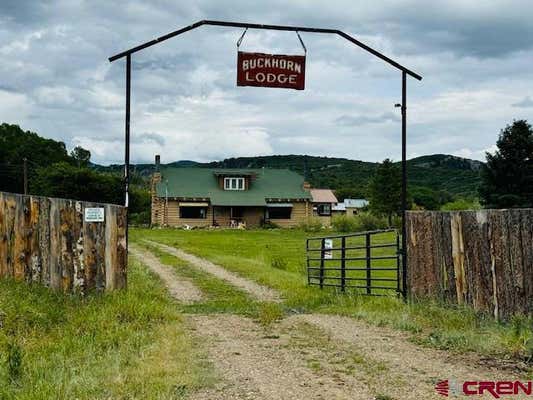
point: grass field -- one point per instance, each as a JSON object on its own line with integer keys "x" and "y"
{"x": 135, "y": 343}
{"x": 129, "y": 344}
{"x": 277, "y": 258}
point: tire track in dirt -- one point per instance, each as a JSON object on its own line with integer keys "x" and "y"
{"x": 256, "y": 290}
{"x": 257, "y": 364}
{"x": 318, "y": 356}
{"x": 412, "y": 370}
{"x": 181, "y": 289}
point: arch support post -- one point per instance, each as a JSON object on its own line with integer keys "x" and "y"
{"x": 127, "y": 144}
{"x": 404, "y": 184}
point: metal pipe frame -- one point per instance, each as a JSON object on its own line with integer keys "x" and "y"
{"x": 265, "y": 27}
{"x": 405, "y": 71}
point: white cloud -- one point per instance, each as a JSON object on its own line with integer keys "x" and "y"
{"x": 54, "y": 96}
{"x": 57, "y": 80}
{"x": 14, "y": 107}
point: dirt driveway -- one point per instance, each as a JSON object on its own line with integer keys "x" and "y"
{"x": 316, "y": 356}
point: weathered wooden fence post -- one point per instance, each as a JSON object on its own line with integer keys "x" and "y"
{"x": 53, "y": 242}
{"x": 483, "y": 259}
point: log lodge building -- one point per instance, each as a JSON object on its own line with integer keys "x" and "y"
{"x": 203, "y": 197}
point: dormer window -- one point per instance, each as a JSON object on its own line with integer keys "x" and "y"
{"x": 234, "y": 184}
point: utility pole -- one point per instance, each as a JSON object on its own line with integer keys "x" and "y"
{"x": 25, "y": 175}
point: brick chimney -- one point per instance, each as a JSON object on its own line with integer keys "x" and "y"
{"x": 307, "y": 186}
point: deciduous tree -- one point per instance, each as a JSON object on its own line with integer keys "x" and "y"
{"x": 81, "y": 156}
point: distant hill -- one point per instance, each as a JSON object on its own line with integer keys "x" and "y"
{"x": 456, "y": 175}
{"x": 439, "y": 172}
{"x": 433, "y": 179}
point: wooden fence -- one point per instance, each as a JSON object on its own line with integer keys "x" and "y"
{"x": 480, "y": 258}
{"x": 48, "y": 241}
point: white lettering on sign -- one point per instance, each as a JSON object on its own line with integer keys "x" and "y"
{"x": 271, "y": 70}
{"x": 94, "y": 214}
{"x": 261, "y": 77}
{"x": 271, "y": 63}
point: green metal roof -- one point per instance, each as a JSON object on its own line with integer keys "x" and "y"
{"x": 202, "y": 183}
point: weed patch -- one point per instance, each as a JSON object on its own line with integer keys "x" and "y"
{"x": 269, "y": 313}
{"x": 124, "y": 344}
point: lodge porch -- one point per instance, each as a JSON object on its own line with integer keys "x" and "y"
{"x": 249, "y": 216}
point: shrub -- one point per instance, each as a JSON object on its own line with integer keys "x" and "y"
{"x": 359, "y": 223}
{"x": 14, "y": 361}
{"x": 343, "y": 223}
{"x": 140, "y": 218}
{"x": 396, "y": 222}
{"x": 314, "y": 225}
{"x": 278, "y": 262}
{"x": 269, "y": 225}
{"x": 520, "y": 337}
{"x": 370, "y": 222}
{"x": 269, "y": 313}
{"x": 461, "y": 204}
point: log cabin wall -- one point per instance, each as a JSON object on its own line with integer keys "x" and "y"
{"x": 483, "y": 259}
{"x": 47, "y": 241}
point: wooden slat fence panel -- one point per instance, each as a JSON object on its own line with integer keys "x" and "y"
{"x": 47, "y": 241}
{"x": 483, "y": 259}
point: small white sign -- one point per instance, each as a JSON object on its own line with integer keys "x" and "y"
{"x": 328, "y": 245}
{"x": 94, "y": 214}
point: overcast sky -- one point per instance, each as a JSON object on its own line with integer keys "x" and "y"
{"x": 476, "y": 58}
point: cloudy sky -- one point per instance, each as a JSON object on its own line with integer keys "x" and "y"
{"x": 476, "y": 58}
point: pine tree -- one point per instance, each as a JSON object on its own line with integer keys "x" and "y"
{"x": 385, "y": 190}
{"x": 507, "y": 178}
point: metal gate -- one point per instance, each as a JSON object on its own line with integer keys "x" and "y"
{"x": 368, "y": 260}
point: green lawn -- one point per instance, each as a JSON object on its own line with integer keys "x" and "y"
{"x": 127, "y": 344}
{"x": 277, "y": 258}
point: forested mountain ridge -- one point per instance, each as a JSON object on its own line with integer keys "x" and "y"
{"x": 441, "y": 177}
{"x": 455, "y": 175}
{"x": 439, "y": 172}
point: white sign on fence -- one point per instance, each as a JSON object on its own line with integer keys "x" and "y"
{"x": 94, "y": 214}
{"x": 328, "y": 245}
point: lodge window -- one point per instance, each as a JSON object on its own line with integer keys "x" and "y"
{"x": 233, "y": 183}
{"x": 279, "y": 213}
{"x": 193, "y": 212}
{"x": 323, "y": 209}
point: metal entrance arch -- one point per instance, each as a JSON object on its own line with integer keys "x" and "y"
{"x": 404, "y": 71}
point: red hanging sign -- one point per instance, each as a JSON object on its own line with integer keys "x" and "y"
{"x": 270, "y": 70}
